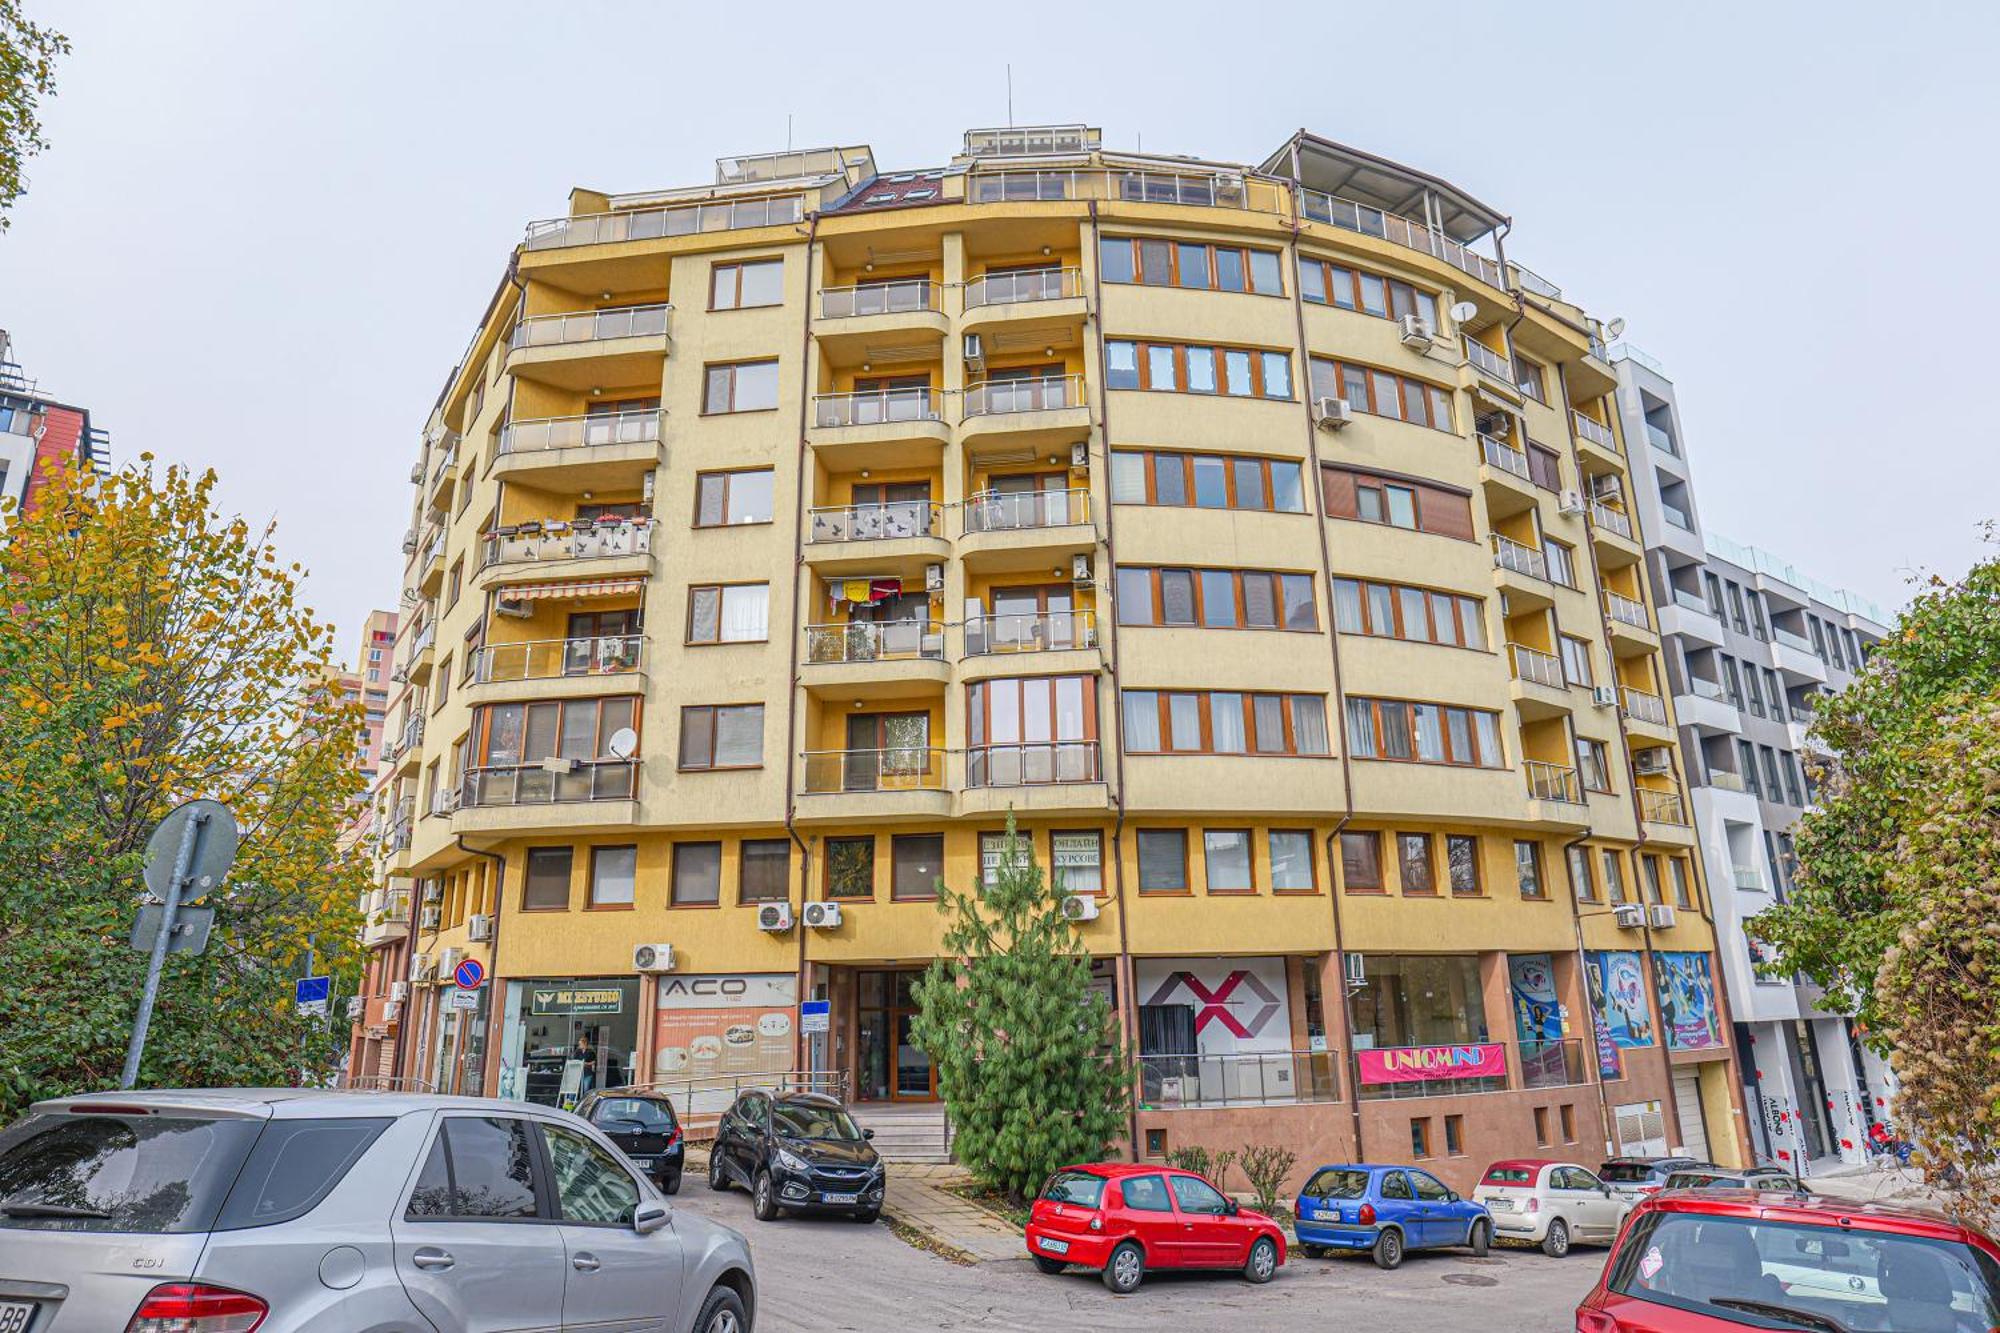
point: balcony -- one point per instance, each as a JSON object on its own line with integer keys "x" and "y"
{"x": 1522, "y": 572}
{"x": 1000, "y": 637}
{"x": 1553, "y": 783}
{"x": 1725, "y": 780}
{"x": 1540, "y": 690}
{"x": 1793, "y": 653}
{"x": 1188, "y": 189}
{"x": 875, "y": 660}
{"x": 1676, "y": 515}
{"x": 406, "y": 750}
{"x": 418, "y": 656}
{"x": 1660, "y": 440}
{"x": 1018, "y": 530}
{"x": 387, "y": 919}
{"x": 444, "y": 476}
{"x": 644, "y": 224}
{"x": 1706, "y": 706}
{"x": 1033, "y": 775}
{"x": 1503, "y": 472}
{"x": 1553, "y": 1064}
{"x": 900, "y": 782}
{"x": 875, "y": 427}
{"x": 1631, "y": 626}
{"x": 907, "y": 306}
{"x": 1493, "y": 366}
{"x": 609, "y": 452}
{"x": 1690, "y": 616}
{"x": 1596, "y": 434}
{"x": 570, "y": 550}
{"x": 866, "y": 538}
{"x": 556, "y": 668}
{"x": 1643, "y": 706}
{"x": 548, "y": 796}
{"x": 1748, "y": 878}
{"x": 1665, "y": 809}
{"x": 430, "y": 566}
{"x": 589, "y": 348}
{"x": 1613, "y": 521}
{"x": 1047, "y": 407}
{"x": 1357, "y": 217}
{"x": 1275, "y": 1078}
{"x": 1052, "y": 295}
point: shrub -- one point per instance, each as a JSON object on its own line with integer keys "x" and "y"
{"x": 1266, "y": 1167}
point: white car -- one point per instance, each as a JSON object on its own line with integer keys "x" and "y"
{"x": 1550, "y": 1204}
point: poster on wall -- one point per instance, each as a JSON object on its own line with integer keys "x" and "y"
{"x": 1617, "y": 982}
{"x": 740, "y": 1023}
{"x": 1687, "y": 1001}
{"x": 1239, "y": 1004}
{"x": 1537, "y": 1011}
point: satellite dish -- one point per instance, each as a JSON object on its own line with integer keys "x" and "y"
{"x": 1615, "y": 330}
{"x": 624, "y": 743}
{"x": 1463, "y": 312}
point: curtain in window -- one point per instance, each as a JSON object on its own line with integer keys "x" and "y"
{"x": 1142, "y": 720}
{"x": 1309, "y": 724}
{"x": 746, "y": 613}
{"x": 1225, "y": 722}
{"x": 1361, "y": 728}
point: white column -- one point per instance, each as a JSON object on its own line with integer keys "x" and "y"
{"x": 1844, "y": 1116}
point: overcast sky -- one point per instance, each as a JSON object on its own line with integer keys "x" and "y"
{"x": 265, "y": 230}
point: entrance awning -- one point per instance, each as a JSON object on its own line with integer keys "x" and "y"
{"x": 528, "y": 592}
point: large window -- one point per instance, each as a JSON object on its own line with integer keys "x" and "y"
{"x": 1224, "y": 722}
{"x": 764, "y": 870}
{"x": 1423, "y": 733}
{"x": 1419, "y": 1000}
{"x": 1163, "y": 860}
{"x": 545, "y": 886}
{"x": 1156, "y": 262}
{"x": 722, "y": 736}
{"x": 1030, "y": 730}
{"x": 614, "y": 875}
{"x": 1383, "y": 393}
{"x": 1361, "y": 862}
{"x": 1236, "y": 372}
{"x": 740, "y": 386}
{"x": 1397, "y": 611}
{"x": 759, "y": 282}
{"x": 697, "y": 880}
{"x": 1207, "y": 481}
{"x": 1592, "y": 766}
{"x": 1292, "y": 864}
{"x": 519, "y": 737}
{"x": 1326, "y": 283}
{"x": 1400, "y": 502}
{"x": 1576, "y": 661}
{"x": 1216, "y": 598}
{"x": 725, "y": 499}
{"x": 1226, "y": 860}
{"x": 1076, "y": 861}
{"x": 915, "y": 862}
{"x": 729, "y": 613}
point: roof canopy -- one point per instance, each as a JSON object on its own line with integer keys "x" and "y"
{"x": 1333, "y": 168}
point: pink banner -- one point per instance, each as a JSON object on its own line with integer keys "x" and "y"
{"x": 1416, "y": 1064}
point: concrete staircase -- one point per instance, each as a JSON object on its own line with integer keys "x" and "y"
{"x": 917, "y": 1132}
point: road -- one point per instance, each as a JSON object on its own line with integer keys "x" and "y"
{"x": 838, "y": 1274}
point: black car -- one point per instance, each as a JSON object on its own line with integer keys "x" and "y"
{"x": 1734, "y": 1178}
{"x": 644, "y": 1125}
{"x": 799, "y": 1151}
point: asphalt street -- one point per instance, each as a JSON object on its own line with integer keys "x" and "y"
{"x": 838, "y": 1274}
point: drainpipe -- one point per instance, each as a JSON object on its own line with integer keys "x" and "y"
{"x": 493, "y": 1019}
{"x": 1338, "y": 704}
{"x": 799, "y": 582}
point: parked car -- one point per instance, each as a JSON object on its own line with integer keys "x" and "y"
{"x": 289, "y": 1210}
{"x": 1733, "y": 1178}
{"x": 1700, "y": 1260}
{"x": 1633, "y": 1178}
{"x": 1550, "y": 1204}
{"x": 1124, "y": 1218}
{"x": 800, "y": 1151}
{"x": 1389, "y": 1210}
{"x": 645, "y": 1126}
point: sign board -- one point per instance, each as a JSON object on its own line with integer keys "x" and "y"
{"x": 572, "y": 1085}
{"x": 470, "y": 974}
{"x": 816, "y": 1016}
{"x": 463, "y": 999}
{"x": 214, "y": 852}
{"x": 729, "y": 990}
{"x": 312, "y": 991}
{"x": 576, "y": 1000}
{"x": 191, "y": 927}
{"x": 1420, "y": 1064}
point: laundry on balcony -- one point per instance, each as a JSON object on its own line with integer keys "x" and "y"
{"x": 863, "y": 592}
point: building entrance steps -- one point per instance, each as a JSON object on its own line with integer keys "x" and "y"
{"x": 908, "y": 1132}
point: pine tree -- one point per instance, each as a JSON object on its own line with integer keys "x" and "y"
{"x": 1027, "y": 1057}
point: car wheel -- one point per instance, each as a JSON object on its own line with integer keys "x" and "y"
{"x": 764, "y": 1198}
{"x": 1263, "y": 1263}
{"x": 1482, "y": 1238}
{"x": 1125, "y": 1268}
{"x": 1389, "y": 1249}
{"x": 671, "y": 1184}
{"x": 1312, "y": 1251}
{"x": 1048, "y": 1265}
{"x": 1556, "y": 1243}
{"x": 718, "y": 1179}
{"x": 722, "y": 1312}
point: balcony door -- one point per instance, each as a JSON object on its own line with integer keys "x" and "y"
{"x": 891, "y": 398}
{"x": 1025, "y": 500}
{"x": 1033, "y": 619}
{"x": 887, "y": 751}
{"x": 892, "y": 1066}
{"x": 601, "y": 642}
{"x": 1025, "y": 388}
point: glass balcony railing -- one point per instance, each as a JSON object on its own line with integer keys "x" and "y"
{"x": 1532, "y": 664}
{"x": 878, "y": 522}
{"x": 1596, "y": 432}
{"x": 582, "y": 540}
{"x": 1351, "y": 216}
{"x": 581, "y": 432}
{"x": 1553, "y": 1064}
{"x": 1518, "y": 558}
{"x": 1192, "y": 189}
{"x": 1487, "y": 361}
{"x": 1662, "y": 807}
{"x": 1676, "y": 515}
{"x": 1032, "y": 764}
{"x": 1660, "y": 440}
{"x": 547, "y": 659}
{"x": 905, "y": 296}
{"x": 1726, "y": 780}
{"x": 1504, "y": 456}
{"x": 1611, "y": 520}
{"x": 1174, "y": 1082}
{"x": 641, "y": 224}
{"x": 1014, "y": 511}
{"x": 1045, "y": 393}
{"x": 1054, "y": 632}
{"x": 872, "y": 641}
{"x": 1692, "y": 601}
{"x": 1646, "y": 706}
{"x": 1037, "y": 284}
{"x": 875, "y": 407}
{"x": 895, "y": 768}
{"x": 1626, "y": 610}
{"x": 641, "y": 321}
{"x": 1552, "y": 782}
{"x": 1705, "y": 688}
{"x": 551, "y": 781}
{"x": 1792, "y": 639}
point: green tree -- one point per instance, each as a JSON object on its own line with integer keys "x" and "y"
{"x": 27, "y": 74}
{"x": 1027, "y": 1056}
{"x": 152, "y": 651}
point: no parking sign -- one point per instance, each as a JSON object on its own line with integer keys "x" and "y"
{"x": 470, "y": 974}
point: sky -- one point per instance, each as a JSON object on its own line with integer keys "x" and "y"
{"x": 264, "y": 231}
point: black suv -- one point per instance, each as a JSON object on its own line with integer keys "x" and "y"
{"x": 644, "y": 1125}
{"x": 799, "y": 1151}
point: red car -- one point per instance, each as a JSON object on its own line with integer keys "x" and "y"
{"x": 1123, "y": 1218}
{"x": 1707, "y": 1261}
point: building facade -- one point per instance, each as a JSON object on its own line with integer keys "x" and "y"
{"x": 1750, "y": 642}
{"x": 1256, "y": 536}
{"x": 37, "y": 432}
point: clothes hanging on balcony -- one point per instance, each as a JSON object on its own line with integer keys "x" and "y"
{"x": 863, "y": 592}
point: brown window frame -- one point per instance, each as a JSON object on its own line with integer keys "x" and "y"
{"x": 674, "y": 873}
{"x": 482, "y": 727}
{"x": 1405, "y": 384}
{"x": 1250, "y": 862}
{"x": 1478, "y": 889}
{"x": 1585, "y": 889}
{"x": 1429, "y": 889}
{"x": 1601, "y": 756}
{"x": 1614, "y": 876}
{"x": 1371, "y": 839}
{"x": 1151, "y": 461}
{"x": 590, "y": 903}
{"x": 1375, "y": 714}
{"x": 713, "y": 710}
{"x": 1312, "y": 861}
{"x": 696, "y": 589}
{"x": 1139, "y": 841}
{"x": 826, "y": 876}
{"x": 1396, "y": 293}
{"x": 930, "y": 892}
{"x": 784, "y": 894}
{"x": 569, "y": 879}
{"x": 1538, "y": 863}
{"x": 1240, "y": 610}
{"x": 735, "y": 268}
{"x": 1163, "y": 702}
{"x": 708, "y": 370}
{"x": 1466, "y": 610}
{"x": 1182, "y": 353}
{"x": 727, "y": 475}
{"x": 1427, "y": 503}
{"x": 1211, "y": 269}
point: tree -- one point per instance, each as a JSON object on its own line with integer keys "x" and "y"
{"x": 27, "y": 74}
{"x": 152, "y": 651}
{"x": 1027, "y": 1057}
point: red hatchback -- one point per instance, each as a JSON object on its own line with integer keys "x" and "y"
{"x": 1123, "y": 1218}
{"x": 1707, "y": 1261}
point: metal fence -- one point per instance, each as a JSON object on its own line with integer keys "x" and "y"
{"x": 1179, "y": 1082}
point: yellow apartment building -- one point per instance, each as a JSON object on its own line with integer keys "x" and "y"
{"x": 1258, "y": 536}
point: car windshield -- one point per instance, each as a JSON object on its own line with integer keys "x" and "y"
{"x": 1795, "y": 1275}
{"x": 799, "y": 1120}
{"x": 137, "y": 1173}
{"x": 1078, "y": 1187}
{"x": 1694, "y": 1180}
{"x": 1335, "y": 1182}
{"x": 628, "y": 1114}
{"x": 1510, "y": 1175}
{"x": 1626, "y": 1173}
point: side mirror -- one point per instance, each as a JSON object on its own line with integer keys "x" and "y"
{"x": 1231, "y": 1207}
{"x": 1451, "y": 1196}
{"x": 649, "y": 1217}
{"x": 1605, "y": 1190}
{"x": 867, "y": 1133}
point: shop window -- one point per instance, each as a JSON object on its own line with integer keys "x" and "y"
{"x": 1462, "y": 855}
{"x": 1163, "y": 860}
{"x": 1413, "y": 860}
{"x": 613, "y": 876}
{"x": 1292, "y": 861}
{"x": 850, "y": 867}
{"x": 993, "y": 855}
{"x": 546, "y": 886}
{"x": 1454, "y": 1136}
{"x": 915, "y": 862}
{"x": 697, "y": 874}
{"x": 1076, "y": 861}
{"x": 1361, "y": 862}
{"x": 1420, "y": 1000}
{"x": 1420, "y": 1138}
{"x": 764, "y": 870}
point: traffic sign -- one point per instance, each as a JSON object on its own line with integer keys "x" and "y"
{"x": 312, "y": 991}
{"x": 214, "y": 851}
{"x": 815, "y": 1015}
{"x": 191, "y": 927}
{"x": 470, "y": 974}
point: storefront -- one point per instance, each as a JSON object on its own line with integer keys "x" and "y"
{"x": 889, "y": 1064}
{"x": 565, "y": 1037}
{"x": 1217, "y": 1031}
{"x": 1420, "y": 1029}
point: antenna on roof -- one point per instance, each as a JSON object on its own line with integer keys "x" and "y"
{"x": 1010, "y": 94}
{"x": 788, "y": 131}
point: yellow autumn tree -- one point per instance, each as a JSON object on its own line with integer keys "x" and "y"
{"x": 153, "y": 651}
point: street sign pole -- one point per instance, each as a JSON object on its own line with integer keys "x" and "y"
{"x": 183, "y": 862}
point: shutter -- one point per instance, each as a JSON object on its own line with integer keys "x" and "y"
{"x": 1337, "y": 492}
{"x": 1447, "y": 513}
{"x": 1543, "y": 468}
{"x": 1687, "y": 1103}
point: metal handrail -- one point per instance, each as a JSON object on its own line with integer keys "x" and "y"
{"x": 1175, "y": 1082}
{"x": 1505, "y": 457}
{"x": 1552, "y": 782}
{"x": 1662, "y": 807}
{"x": 1595, "y": 431}
{"x": 1045, "y": 393}
{"x": 1646, "y": 706}
{"x": 891, "y": 768}
{"x": 1518, "y": 558}
{"x": 546, "y": 659}
{"x": 877, "y": 522}
{"x": 1014, "y": 511}
{"x": 1487, "y": 361}
{"x": 1408, "y": 232}
{"x": 1055, "y": 631}
{"x": 411, "y": 736}
{"x": 1032, "y": 764}
{"x": 875, "y": 407}
{"x": 550, "y": 781}
{"x": 1626, "y": 610}
{"x": 632, "y": 536}
{"x": 1041, "y": 284}
{"x": 632, "y": 321}
{"x": 640, "y": 224}
{"x": 1604, "y": 516}
{"x": 422, "y": 637}
{"x": 901, "y": 296}
{"x": 1532, "y": 664}
{"x": 582, "y": 432}
{"x": 874, "y": 641}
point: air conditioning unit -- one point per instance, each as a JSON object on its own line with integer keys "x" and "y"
{"x": 1570, "y": 502}
{"x": 775, "y": 917}
{"x": 519, "y": 610}
{"x": 449, "y": 959}
{"x": 653, "y": 958}
{"x": 410, "y": 542}
{"x": 416, "y": 472}
{"x": 933, "y": 578}
{"x": 1628, "y": 916}
{"x": 823, "y": 916}
{"x": 428, "y": 919}
{"x": 1076, "y": 907}
{"x": 1652, "y": 762}
{"x": 1660, "y": 916}
{"x": 392, "y": 1011}
{"x": 1604, "y": 696}
{"x": 433, "y": 891}
{"x": 1079, "y": 456}
{"x": 399, "y": 990}
{"x": 1354, "y": 967}
{"x": 1332, "y": 413}
{"x": 357, "y": 1006}
{"x": 1079, "y": 569}
{"x": 1417, "y": 332}
{"x": 479, "y": 927}
{"x": 975, "y": 351}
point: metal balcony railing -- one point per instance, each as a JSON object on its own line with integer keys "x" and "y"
{"x": 1646, "y": 706}
{"x": 1553, "y": 1064}
{"x": 877, "y": 522}
{"x": 1177, "y": 1082}
{"x": 581, "y": 432}
{"x": 1053, "y": 632}
{"x": 896, "y": 768}
{"x": 1533, "y": 664}
{"x": 1049, "y": 284}
{"x": 1487, "y": 361}
{"x": 411, "y": 736}
{"x": 1032, "y": 764}
{"x": 1013, "y": 511}
{"x": 1596, "y": 432}
{"x": 432, "y": 554}
{"x": 1552, "y": 782}
{"x": 1611, "y": 520}
{"x": 1352, "y": 216}
{"x": 1662, "y": 807}
{"x": 1195, "y": 189}
{"x": 875, "y": 407}
{"x": 546, "y": 659}
{"x": 1626, "y": 610}
{"x": 406, "y": 809}
{"x": 420, "y": 641}
{"x": 1045, "y": 393}
{"x": 1511, "y": 555}
{"x": 1504, "y": 456}
{"x": 641, "y": 224}
{"x": 551, "y": 781}
{"x": 872, "y": 641}
{"x": 904, "y": 296}
{"x": 556, "y": 542}
{"x": 637, "y": 321}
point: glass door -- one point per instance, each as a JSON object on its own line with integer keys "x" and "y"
{"x": 892, "y": 1066}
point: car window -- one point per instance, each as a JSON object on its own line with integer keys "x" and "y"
{"x": 626, "y": 1115}
{"x": 479, "y": 1167}
{"x": 758, "y": 1112}
{"x": 1428, "y": 1188}
{"x": 1196, "y": 1195}
{"x": 1509, "y": 1175}
{"x": 141, "y": 1173}
{"x": 1580, "y": 1179}
{"x": 1626, "y": 1173}
{"x": 806, "y": 1120}
{"x": 1394, "y": 1186}
{"x": 1337, "y": 1183}
{"x": 1078, "y": 1187}
{"x": 590, "y": 1186}
{"x": 1145, "y": 1194}
{"x": 295, "y": 1164}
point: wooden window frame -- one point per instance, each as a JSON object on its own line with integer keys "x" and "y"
{"x": 590, "y": 884}
{"x": 674, "y": 875}
{"x": 1375, "y": 714}
{"x": 1380, "y": 886}
{"x": 1613, "y": 862}
{"x": 1312, "y": 862}
{"x": 1213, "y": 271}
{"x": 1162, "y": 701}
{"x": 785, "y": 886}
{"x": 1392, "y": 290}
{"x": 709, "y": 368}
{"x": 1152, "y": 459}
{"x": 1186, "y": 888}
{"x": 482, "y": 727}
{"x": 728, "y": 475}
{"x": 930, "y": 893}
{"x": 826, "y": 875}
{"x": 569, "y": 883}
{"x": 1478, "y": 889}
{"x": 1466, "y": 610}
{"x": 1249, "y": 856}
{"x": 1100, "y": 891}
{"x": 1405, "y": 386}
{"x": 1585, "y": 890}
{"x": 1538, "y": 863}
{"x": 735, "y": 267}
{"x": 714, "y": 711}
{"x": 1429, "y": 862}
{"x": 1182, "y": 352}
{"x": 696, "y": 589}
{"x": 1241, "y": 608}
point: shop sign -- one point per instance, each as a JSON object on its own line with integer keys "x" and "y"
{"x": 545, "y": 1000}
{"x": 1418, "y": 1064}
{"x": 752, "y": 990}
{"x": 1687, "y": 1001}
{"x": 464, "y": 999}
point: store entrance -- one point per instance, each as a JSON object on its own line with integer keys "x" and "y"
{"x": 891, "y": 1067}
{"x": 570, "y": 1037}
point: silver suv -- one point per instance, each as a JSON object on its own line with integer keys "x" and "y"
{"x": 278, "y": 1210}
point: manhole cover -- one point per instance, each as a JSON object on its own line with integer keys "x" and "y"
{"x": 1471, "y": 1280}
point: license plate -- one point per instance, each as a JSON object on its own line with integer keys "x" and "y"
{"x": 15, "y": 1316}
{"x": 843, "y": 1198}
{"x": 1055, "y": 1246}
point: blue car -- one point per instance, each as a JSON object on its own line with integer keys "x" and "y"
{"x": 1388, "y": 1210}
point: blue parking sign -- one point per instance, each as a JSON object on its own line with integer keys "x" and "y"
{"x": 313, "y": 990}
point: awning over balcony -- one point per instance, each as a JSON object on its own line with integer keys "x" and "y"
{"x": 528, "y": 592}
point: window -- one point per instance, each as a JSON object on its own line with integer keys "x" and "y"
{"x": 1544, "y": 467}
{"x": 760, "y": 282}
{"x": 1651, "y": 865}
{"x": 1361, "y": 862}
{"x": 1396, "y": 611}
{"x": 1746, "y": 757}
{"x": 1614, "y": 877}
{"x": 697, "y": 874}
{"x": 592, "y": 1189}
{"x": 1197, "y": 1196}
{"x": 1158, "y": 477}
{"x": 740, "y": 386}
{"x": 1528, "y": 868}
{"x": 993, "y": 856}
{"x": 1402, "y": 502}
{"x": 850, "y": 867}
{"x": 1163, "y": 860}
{"x": 1292, "y": 861}
{"x": 1576, "y": 661}
{"x": 1421, "y": 1000}
{"x": 729, "y": 613}
{"x": 1023, "y": 731}
{"x": 294, "y": 1165}
{"x": 1528, "y": 377}
{"x": 1216, "y": 598}
{"x": 1423, "y": 733}
{"x": 614, "y": 873}
{"x": 1196, "y": 368}
{"x": 1567, "y": 1114}
{"x": 1542, "y": 1126}
{"x": 1226, "y": 860}
{"x": 1562, "y": 562}
{"x": 479, "y": 1167}
{"x": 1579, "y": 875}
{"x": 1461, "y": 853}
{"x": 1325, "y": 283}
{"x": 1792, "y": 792}
{"x": 546, "y": 885}
{"x": 1683, "y": 890}
{"x": 1146, "y": 1194}
{"x": 454, "y": 582}
{"x": 1155, "y": 262}
{"x": 722, "y": 736}
{"x": 1224, "y": 722}
{"x": 764, "y": 870}
{"x": 1454, "y": 1136}
{"x": 1413, "y": 856}
{"x": 1420, "y": 1148}
{"x": 1593, "y": 768}
{"x": 915, "y": 862}
{"x": 724, "y": 499}
{"x": 1383, "y": 393}
{"x": 1771, "y": 781}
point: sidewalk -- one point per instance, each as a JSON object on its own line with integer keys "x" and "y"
{"x": 1875, "y": 1184}
{"x": 917, "y": 1199}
